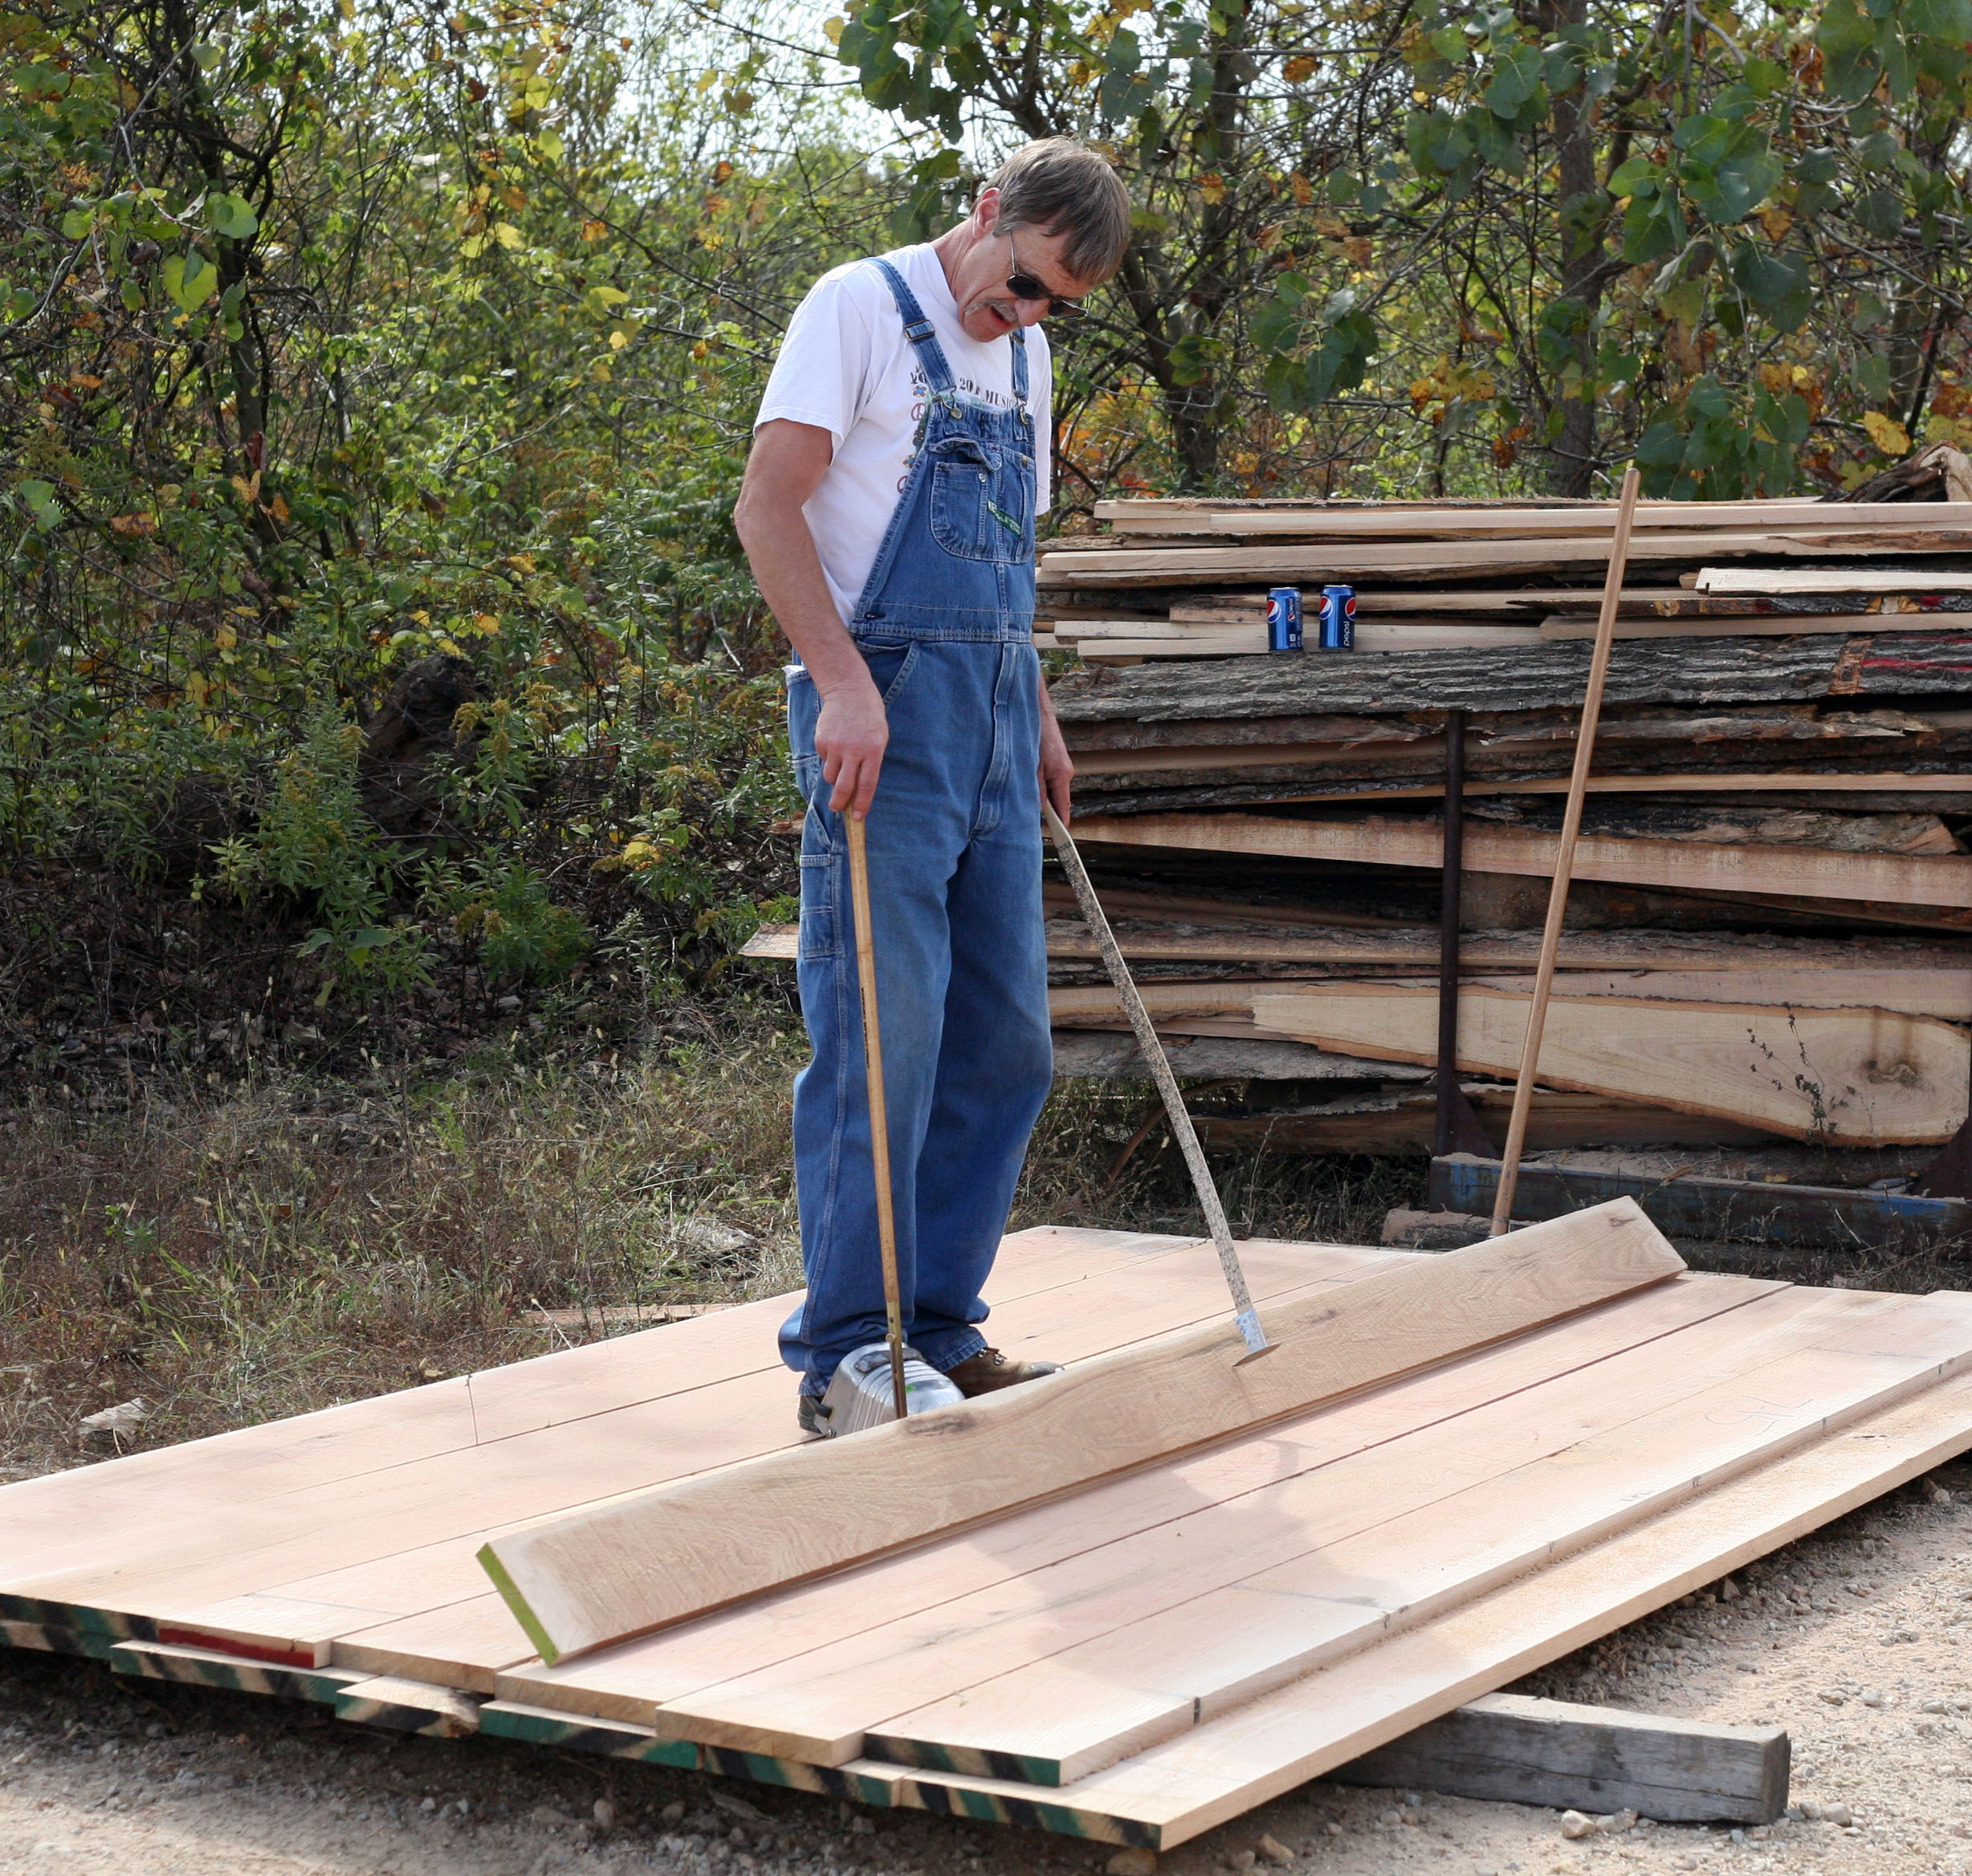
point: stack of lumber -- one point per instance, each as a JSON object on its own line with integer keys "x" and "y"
{"x": 1771, "y": 935}
{"x": 1190, "y": 578}
{"x": 1125, "y": 1604}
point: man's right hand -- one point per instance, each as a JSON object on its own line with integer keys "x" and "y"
{"x": 851, "y": 735}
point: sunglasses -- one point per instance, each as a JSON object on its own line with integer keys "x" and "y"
{"x": 1023, "y": 285}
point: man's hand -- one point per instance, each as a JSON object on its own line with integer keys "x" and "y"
{"x": 850, "y": 737}
{"x": 785, "y": 468}
{"x": 1057, "y": 767}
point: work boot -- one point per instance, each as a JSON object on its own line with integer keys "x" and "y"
{"x": 989, "y": 1371}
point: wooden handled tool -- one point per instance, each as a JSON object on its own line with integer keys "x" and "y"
{"x": 1245, "y": 1315}
{"x": 1564, "y": 854}
{"x": 879, "y": 1118}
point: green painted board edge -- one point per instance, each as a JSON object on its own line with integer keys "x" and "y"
{"x": 522, "y": 1613}
{"x": 956, "y": 1801}
{"x": 833, "y": 1781}
{"x": 608, "y": 1739}
{"x": 320, "y": 1685}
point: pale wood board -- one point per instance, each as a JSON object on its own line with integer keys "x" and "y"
{"x": 136, "y": 1549}
{"x": 1173, "y": 1793}
{"x": 428, "y": 1603}
{"x": 1090, "y": 1704}
{"x": 1424, "y": 523}
{"x": 1861, "y": 1077}
{"x": 1709, "y": 782}
{"x": 805, "y": 1635}
{"x": 1174, "y": 1586}
{"x": 583, "y": 1581}
{"x": 1807, "y": 872}
{"x": 1943, "y": 994}
{"x": 1290, "y": 562}
{"x": 1778, "y": 581}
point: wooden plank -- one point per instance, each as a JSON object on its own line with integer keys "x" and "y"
{"x": 206, "y": 1667}
{"x": 404, "y": 1706}
{"x": 1944, "y": 994}
{"x": 1332, "y": 1481}
{"x": 1112, "y": 1054}
{"x": 1565, "y": 625}
{"x": 1713, "y": 782}
{"x": 1515, "y": 1749}
{"x": 1779, "y": 581}
{"x": 1173, "y": 1793}
{"x": 704, "y": 1665}
{"x": 1800, "y": 872}
{"x": 608, "y": 1739}
{"x": 1414, "y": 521}
{"x": 1088, "y": 1705}
{"x": 162, "y": 1566}
{"x": 439, "y": 1619}
{"x": 580, "y": 1582}
{"x": 1285, "y": 562}
{"x": 1806, "y": 1216}
{"x": 1864, "y": 1077}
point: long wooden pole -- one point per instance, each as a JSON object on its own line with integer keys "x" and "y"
{"x": 1564, "y": 856}
{"x": 879, "y": 1118}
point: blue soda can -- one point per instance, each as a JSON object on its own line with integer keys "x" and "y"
{"x": 1284, "y": 619}
{"x": 1338, "y": 618}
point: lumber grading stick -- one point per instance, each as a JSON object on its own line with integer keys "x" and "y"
{"x": 1245, "y": 1315}
{"x": 879, "y": 1115}
{"x": 1564, "y": 853}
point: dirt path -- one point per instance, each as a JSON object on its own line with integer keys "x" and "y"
{"x": 1851, "y": 1639}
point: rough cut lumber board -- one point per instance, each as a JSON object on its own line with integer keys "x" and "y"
{"x": 440, "y": 1620}
{"x": 1798, "y": 872}
{"x": 1778, "y": 581}
{"x": 583, "y": 1581}
{"x": 1084, "y": 1653}
{"x": 1864, "y": 1077}
{"x": 1287, "y": 562}
{"x": 1173, "y": 1793}
{"x": 1765, "y": 626}
{"x": 1521, "y": 677}
{"x": 408, "y": 1706}
{"x": 120, "y": 1548}
{"x": 1946, "y": 994}
{"x": 805, "y": 1636}
{"x": 1427, "y": 522}
{"x": 1112, "y": 1054}
{"x": 1514, "y": 1749}
{"x": 1712, "y": 782}
{"x": 1824, "y": 1217}
{"x": 1563, "y": 1477}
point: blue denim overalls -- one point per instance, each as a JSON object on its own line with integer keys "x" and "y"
{"x": 945, "y": 623}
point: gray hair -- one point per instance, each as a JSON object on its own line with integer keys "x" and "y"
{"x": 1059, "y": 186}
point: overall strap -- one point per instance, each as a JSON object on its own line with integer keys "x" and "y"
{"x": 918, "y": 329}
{"x": 1019, "y": 336}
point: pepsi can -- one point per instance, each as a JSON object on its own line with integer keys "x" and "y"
{"x": 1284, "y": 619}
{"x": 1337, "y": 618}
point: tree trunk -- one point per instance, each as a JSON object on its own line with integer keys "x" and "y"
{"x": 1579, "y": 233}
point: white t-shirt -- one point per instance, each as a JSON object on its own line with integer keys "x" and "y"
{"x": 846, "y": 367}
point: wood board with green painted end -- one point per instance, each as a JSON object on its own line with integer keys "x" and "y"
{"x": 1862, "y": 1077}
{"x": 581, "y": 1582}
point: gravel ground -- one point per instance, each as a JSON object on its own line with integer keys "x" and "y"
{"x": 1851, "y": 1639}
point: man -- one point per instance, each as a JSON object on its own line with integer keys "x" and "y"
{"x": 900, "y": 457}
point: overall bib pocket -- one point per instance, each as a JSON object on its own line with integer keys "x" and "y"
{"x": 981, "y": 505}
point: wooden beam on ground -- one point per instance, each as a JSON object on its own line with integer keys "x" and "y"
{"x": 1863, "y": 1076}
{"x": 1805, "y": 1216}
{"x": 1807, "y": 872}
{"x": 579, "y": 1582}
{"x": 1513, "y": 1749}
